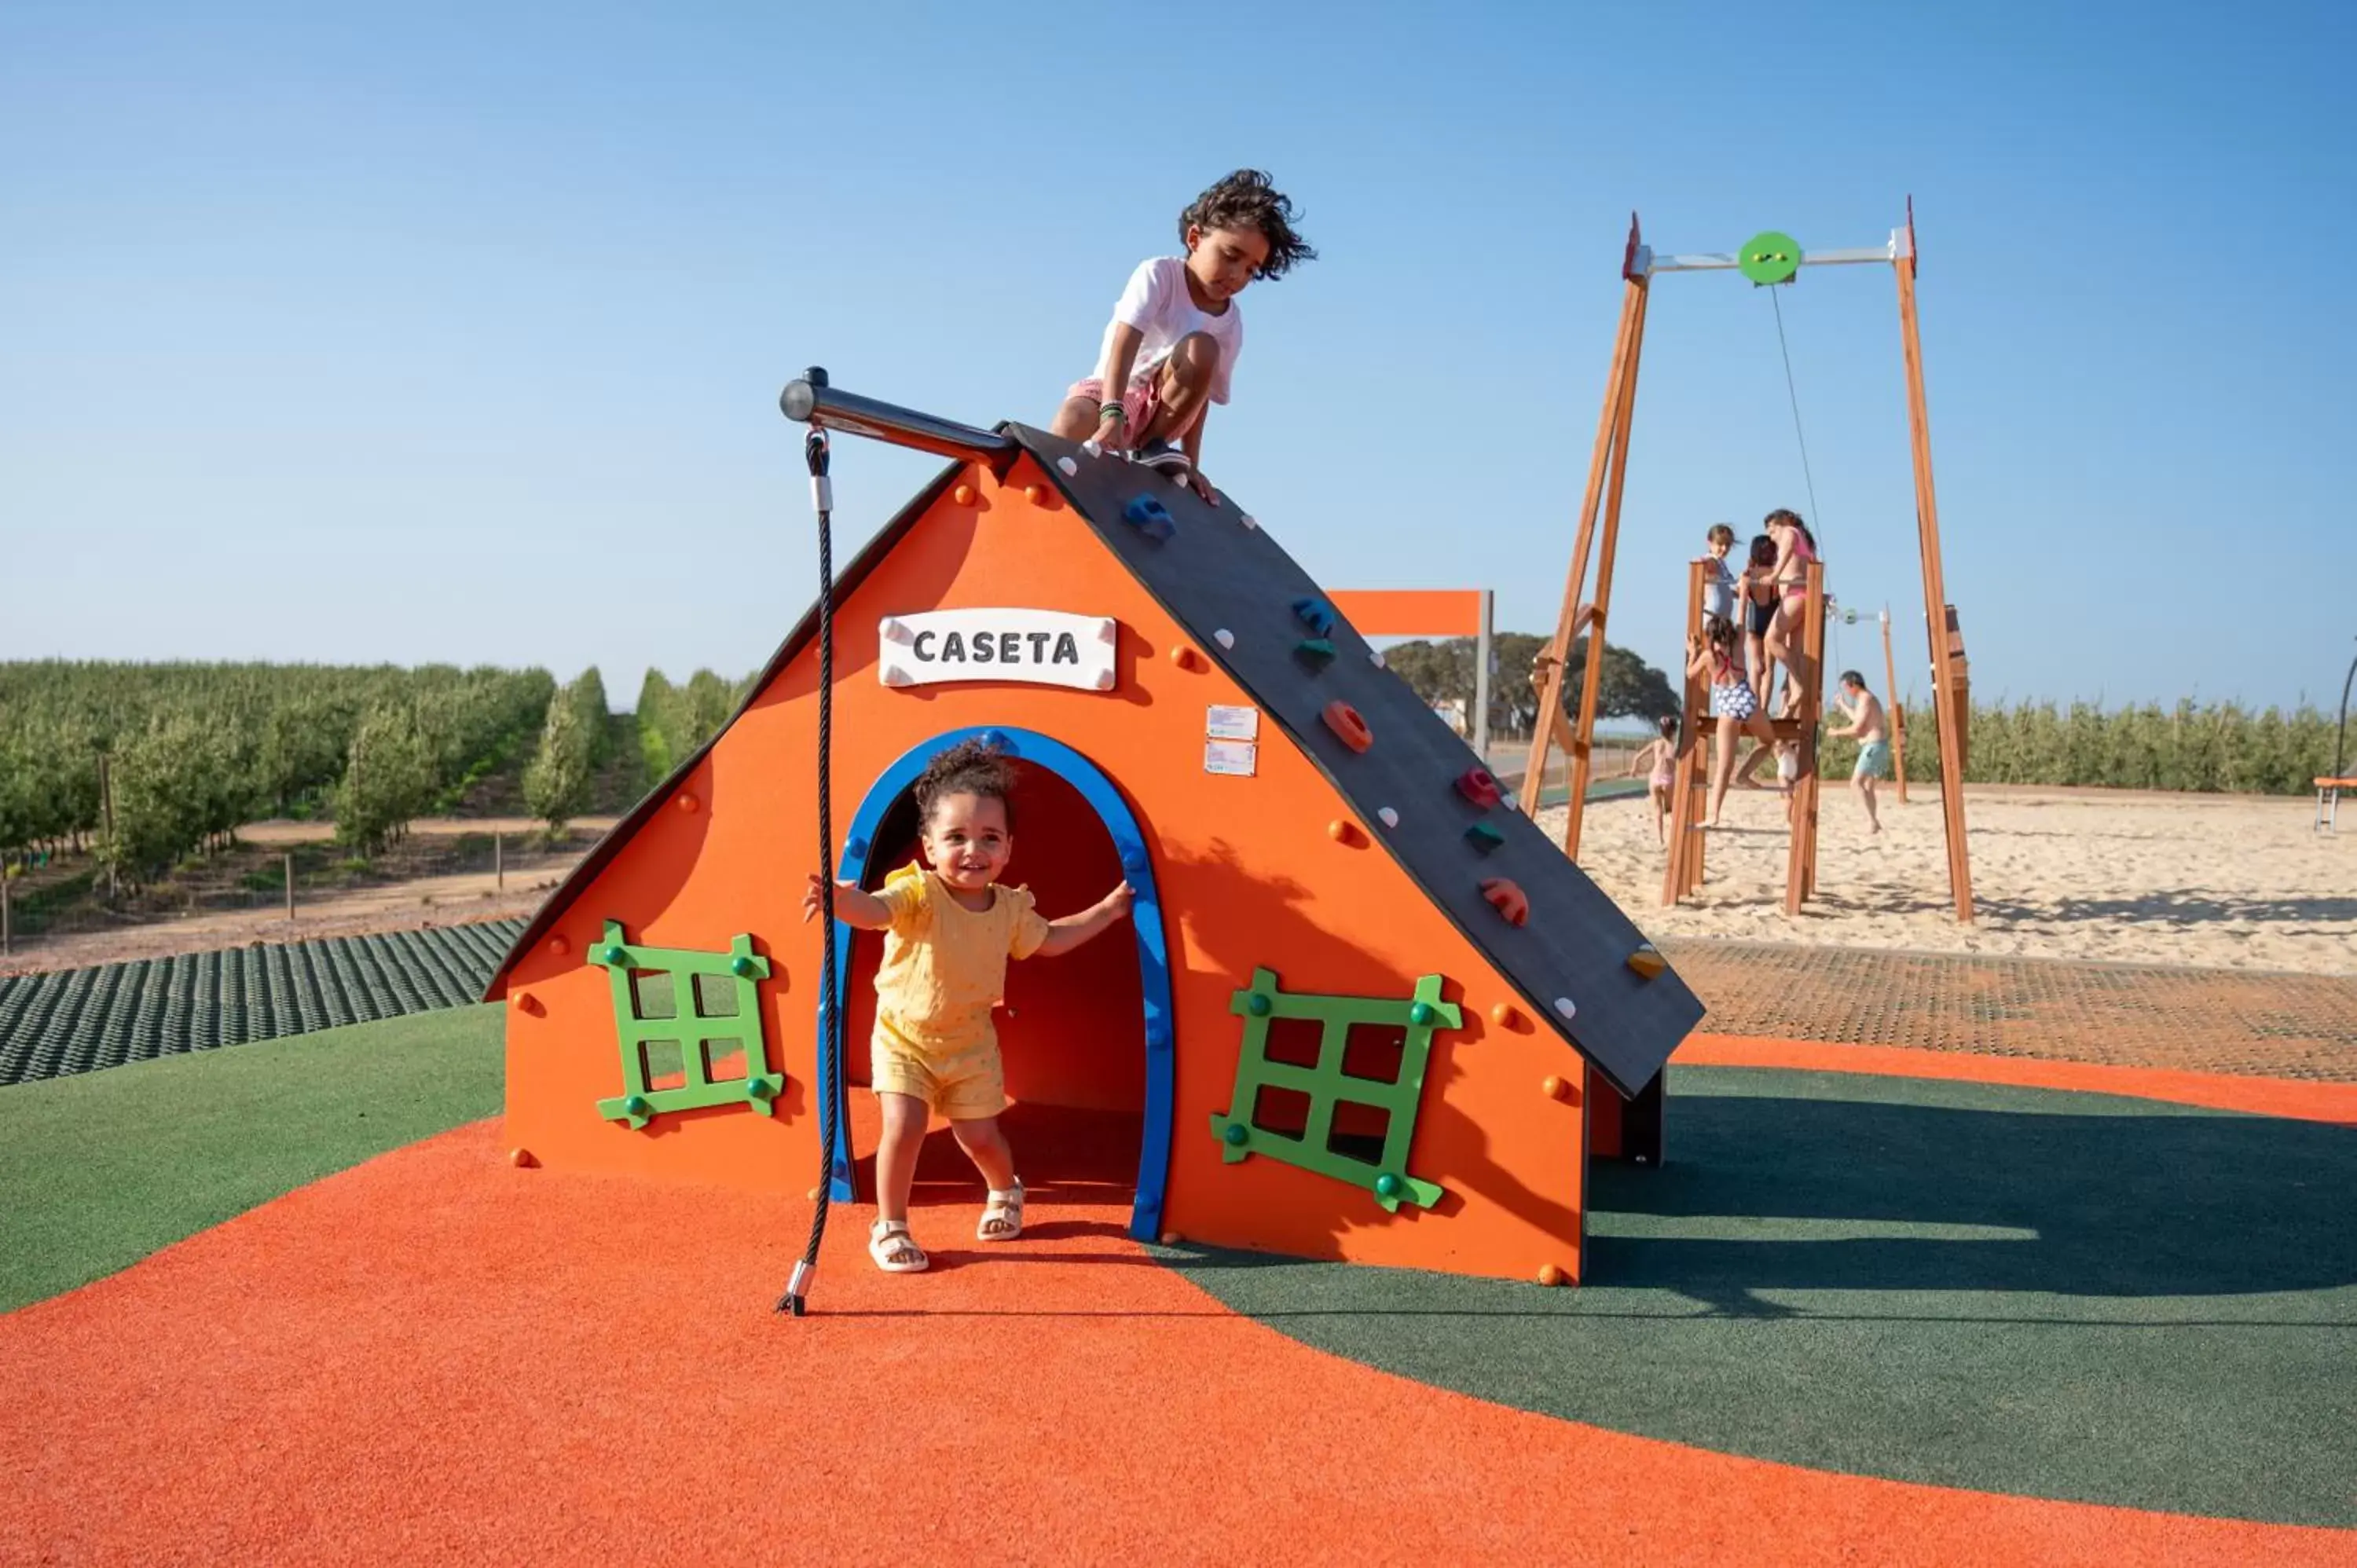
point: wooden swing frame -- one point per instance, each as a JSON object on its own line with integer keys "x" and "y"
{"x": 1607, "y": 473}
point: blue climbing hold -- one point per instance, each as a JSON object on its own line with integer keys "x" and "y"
{"x": 1314, "y": 614}
{"x": 1150, "y": 517}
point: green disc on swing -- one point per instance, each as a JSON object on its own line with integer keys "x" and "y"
{"x": 1771, "y": 257}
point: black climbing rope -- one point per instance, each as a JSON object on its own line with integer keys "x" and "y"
{"x": 830, "y": 1035}
{"x": 1816, "y": 514}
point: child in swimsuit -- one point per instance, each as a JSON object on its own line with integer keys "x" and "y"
{"x": 1795, "y": 548}
{"x": 948, "y": 932}
{"x": 1760, "y": 600}
{"x": 1736, "y": 706}
{"x": 1170, "y": 350}
{"x": 1662, "y": 754}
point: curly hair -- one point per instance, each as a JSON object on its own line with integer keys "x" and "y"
{"x": 1246, "y": 199}
{"x": 969, "y": 767}
{"x": 1786, "y": 514}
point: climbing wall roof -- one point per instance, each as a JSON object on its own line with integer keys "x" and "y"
{"x": 1235, "y": 590}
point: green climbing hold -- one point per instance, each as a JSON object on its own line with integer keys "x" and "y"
{"x": 1484, "y": 837}
{"x": 1389, "y": 1186}
{"x": 1258, "y": 1005}
{"x": 743, "y": 968}
{"x": 1421, "y": 1014}
{"x": 1237, "y": 1133}
{"x": 1316, "y": 650}
{"x": 1769, "y": 258}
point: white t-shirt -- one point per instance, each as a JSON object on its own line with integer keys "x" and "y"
{"x": 1156, "y": 303}
{"x": 1718, "y": 589}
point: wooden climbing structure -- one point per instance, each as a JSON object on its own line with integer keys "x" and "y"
{"x": 1768, "y": 260}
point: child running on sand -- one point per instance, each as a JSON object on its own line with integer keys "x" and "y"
{"x": 1662, "y": 754}
{"x": 948, "y": 932}
{"x": 1732, "y": 700}
{"x": 1866, "y": 722}
{"x": 1170, "y": 349}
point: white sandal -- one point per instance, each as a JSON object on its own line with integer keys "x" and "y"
{"x": 894, "y": 1250}
{"x": 1003, "y": 1209}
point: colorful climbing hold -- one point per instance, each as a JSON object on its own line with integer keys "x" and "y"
{"x": 1347, "y": 726}
{"x": 1477, "y": 785}
{"x": 1313, "y": 651}
{"x": 1507, "y": 898}
{"x": 1150, "y": 518}
{"x": 1314, "y": 614}
{"x": 1484, "y": 837}
{"x": 1648, "y": 961}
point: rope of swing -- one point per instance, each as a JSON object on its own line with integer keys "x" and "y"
{"x": 1792, "y": 391}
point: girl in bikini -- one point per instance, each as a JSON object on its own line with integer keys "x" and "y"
{"x": 1734, "y": 701}
{"x": 1664, "y": 755}
{"x": 1795, "y": 548}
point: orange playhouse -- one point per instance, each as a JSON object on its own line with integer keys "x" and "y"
{"x": 1365, "y": 1010}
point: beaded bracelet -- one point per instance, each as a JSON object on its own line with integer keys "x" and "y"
{"x": 1113, "y": 410}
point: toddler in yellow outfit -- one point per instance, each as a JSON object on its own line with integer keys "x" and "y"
{"x": 949, "y": 929}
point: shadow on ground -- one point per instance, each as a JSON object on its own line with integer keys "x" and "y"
{"x": 2003, "y": 1289}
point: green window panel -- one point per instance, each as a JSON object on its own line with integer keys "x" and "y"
{"x": 1326, "y": 1085}
{"x": 688, "y": 1015}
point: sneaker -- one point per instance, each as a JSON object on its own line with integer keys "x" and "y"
{"x": 1163, "y": 459}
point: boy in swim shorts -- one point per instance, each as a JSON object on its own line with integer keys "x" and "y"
{"x": 1867, "y": 722}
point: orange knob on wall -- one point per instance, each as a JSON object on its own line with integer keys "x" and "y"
{"x": 1036, "y": 494}
{"x": 963, "y": 495}
{"x": 688, "y": 802}
{"x": 560, "y": 944}
{"x": 1550, "y": 1276}
{"x": 530, "y": 1005}
{"x": 522, "y": 1159}
{"x": 1185, "y": 657}
{"x": 1505, "y": 1016}
{"x": 1344, "y": 832}
{"x": 1552, "y": 1087}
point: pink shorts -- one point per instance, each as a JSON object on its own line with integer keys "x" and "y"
{"x": 1141, "y": 403}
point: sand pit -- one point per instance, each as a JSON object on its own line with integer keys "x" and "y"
{"x": 2227, "y": 881}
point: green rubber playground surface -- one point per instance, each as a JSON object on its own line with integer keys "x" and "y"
{"x": 2012, "y": 1290}
{"x": 103, "y": 1169}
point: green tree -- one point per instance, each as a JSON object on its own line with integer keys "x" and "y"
{"x": 557, "y": 782}
{"x": 388, "y": 778}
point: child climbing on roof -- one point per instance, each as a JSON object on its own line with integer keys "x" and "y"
{"x": 949, "y": 929}
{"x": 1170, "y": 350}
{"x": 1866, "y": 722}
{"x": 1662, "y": 754}
{"x": 1732, "y": 699}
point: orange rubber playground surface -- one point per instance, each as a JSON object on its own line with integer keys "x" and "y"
{"x": 435, "y": 1356}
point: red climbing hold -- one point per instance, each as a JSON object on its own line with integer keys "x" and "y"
{"x": 1344, "y": 720}
{"x": 1476, "y": 786}
{"x": 1506, "y": 898}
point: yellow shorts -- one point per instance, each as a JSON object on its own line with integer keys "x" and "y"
{"x": 965, "y": 1086}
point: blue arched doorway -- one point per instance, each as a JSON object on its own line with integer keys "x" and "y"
{"x": 1156, "y": 1024}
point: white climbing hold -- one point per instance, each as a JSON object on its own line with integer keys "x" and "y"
{"x": 1251, "y": 522}
{"x": 1224, "y": 637}
{"x": 1093, "y": 449}
{"x": 1564, "y": 1005}
{"x": 1069, "y": 466}
{"x": 1390, "y": 817}
{"x": 1510, "y": 802}
{"x": 1376, "y": 659}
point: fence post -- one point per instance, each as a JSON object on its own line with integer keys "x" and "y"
{"x": 500, "y": 860}
{"x": 289, "y": 861}
{"x": 1483, "y": 644}
{"x": 6, "y": 935}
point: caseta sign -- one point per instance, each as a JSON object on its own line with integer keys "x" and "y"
{"x": 1038, "y": 648}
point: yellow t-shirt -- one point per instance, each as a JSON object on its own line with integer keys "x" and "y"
{"x": 944, "y": 965}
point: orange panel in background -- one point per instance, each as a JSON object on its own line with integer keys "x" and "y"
{"x": 1410, "y": 612}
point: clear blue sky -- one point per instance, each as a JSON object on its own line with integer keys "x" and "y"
{"x": 454, "y": 332}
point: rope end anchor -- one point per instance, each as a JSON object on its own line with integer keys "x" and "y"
{"x": 798, "y": 1289}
